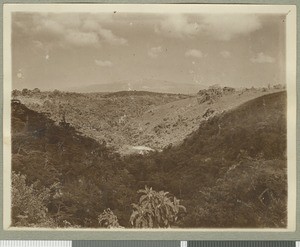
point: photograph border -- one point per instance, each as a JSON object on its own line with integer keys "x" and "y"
{"x": 182, "y": 234}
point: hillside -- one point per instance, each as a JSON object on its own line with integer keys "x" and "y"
{"x": 171, "y": 123}
{"x": 76, "y": 176}
{"x": 230, "y": 172}
{"x": 129, "y": 119}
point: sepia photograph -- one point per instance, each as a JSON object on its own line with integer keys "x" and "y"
{"x": 147, "y": 117}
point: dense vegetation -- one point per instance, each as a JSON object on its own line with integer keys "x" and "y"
{"x": 107, "y": 116}
{"x": 83, "y": 177}
{"x": 231, "y": 172}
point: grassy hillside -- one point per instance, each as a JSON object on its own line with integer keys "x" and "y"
{"x": 170, "y": 123}
{"x": 230, "y": 172}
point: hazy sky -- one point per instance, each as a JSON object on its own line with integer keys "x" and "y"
{"x": 68, "y": 50}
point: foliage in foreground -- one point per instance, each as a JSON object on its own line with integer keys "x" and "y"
{"x": 29, "y": 203}
{"x": 155, "y": 209}
{"x": 108, "y": 219}
{"x": 252, "y": 193}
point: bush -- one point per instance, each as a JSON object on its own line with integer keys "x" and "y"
{"x": 108, "y": 220}
{"x": 155, "y": 209}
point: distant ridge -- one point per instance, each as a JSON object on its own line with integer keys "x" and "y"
{"x": 158, "y": 86}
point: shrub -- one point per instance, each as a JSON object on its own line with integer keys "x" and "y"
{"x": 29, "y": 203}
{"x": 108, "y": 219}
{"x": 155, "y": 209}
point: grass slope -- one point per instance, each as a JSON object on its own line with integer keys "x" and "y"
{"x": 172, "y": 122}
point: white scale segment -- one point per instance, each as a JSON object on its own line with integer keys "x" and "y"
{"x": 34, "y": 243}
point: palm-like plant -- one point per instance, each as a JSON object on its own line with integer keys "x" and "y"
{"x": 155, "y": 209}
{"x": 141, "y": 217}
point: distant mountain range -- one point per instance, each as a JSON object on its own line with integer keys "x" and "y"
{"x": 160, "y": 86}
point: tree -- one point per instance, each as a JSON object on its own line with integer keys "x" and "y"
{"x": 16, "y": 93}
{"x": 25, "y": 91}
{"x": 56, "y": 92}
{"x": 155, "y": 209}
{"x": 36, "y": 90}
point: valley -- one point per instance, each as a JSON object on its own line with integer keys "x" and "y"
{"x": 134, "y": 118}
{"x": 228, "y": 172}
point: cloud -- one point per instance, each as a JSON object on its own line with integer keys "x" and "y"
{"x": 109, "y": 37}
{"x": 222, "y": 27}
{"x": 47, "y": 25}
{"x": 178, "y": 26}
{"x": 225, "y": 54}
{"x": 106, "y": 34}
{"x": 155, "y": 51}
{"x": 78, "y": 38}
{"x": 194, "y": 53}
{"x": 103, "y": 63}
{"x": 226, "y": 27}
{"x": 67, "y": 29}
{"x": 262, "y": 58}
